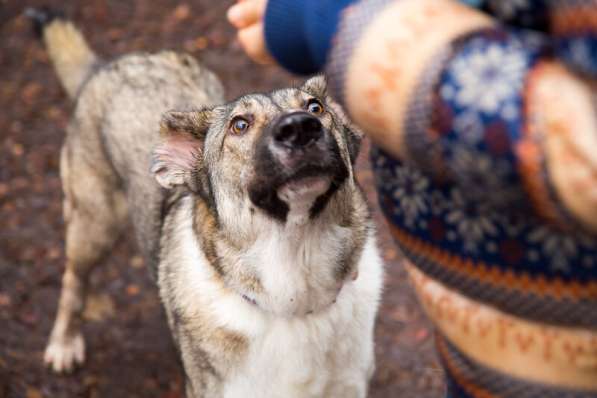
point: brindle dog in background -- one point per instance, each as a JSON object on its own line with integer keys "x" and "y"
{"x": 248, "y": 213}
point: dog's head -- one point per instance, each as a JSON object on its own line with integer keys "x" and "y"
{"x": 266, "y": 163}
{"x": 290, "y": 149}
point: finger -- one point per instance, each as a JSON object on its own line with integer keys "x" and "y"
{"x": 246, "y": 13}
{"x": 253, "y": 42}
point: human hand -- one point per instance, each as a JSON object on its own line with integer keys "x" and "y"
{"x": 247, "y": 17}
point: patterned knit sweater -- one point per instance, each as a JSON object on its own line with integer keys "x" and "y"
{"x": 493, "y": 196}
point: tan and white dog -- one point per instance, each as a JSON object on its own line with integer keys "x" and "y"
{"x": 256, "y": 230}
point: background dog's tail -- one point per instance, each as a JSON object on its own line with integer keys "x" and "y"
{"x": 72, "y": 58}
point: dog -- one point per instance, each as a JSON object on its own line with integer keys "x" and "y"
{"x": 248, "y": 214}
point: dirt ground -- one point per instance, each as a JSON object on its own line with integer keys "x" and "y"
{"x": 129, "y": 349}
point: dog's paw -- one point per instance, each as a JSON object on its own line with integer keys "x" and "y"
{"x": 64, "y": 353}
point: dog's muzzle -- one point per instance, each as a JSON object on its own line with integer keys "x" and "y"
{"x": 297, "y": 131}
{"x": 296, "y": 152}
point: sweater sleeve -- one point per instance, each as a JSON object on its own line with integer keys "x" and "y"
{"x": 299, "y": 34}
{"x": 505, "y": 113}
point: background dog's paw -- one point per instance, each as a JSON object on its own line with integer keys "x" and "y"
{"x": 64, "y": 353}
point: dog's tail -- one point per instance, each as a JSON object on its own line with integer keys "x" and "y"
{"x": 69, "y": 52}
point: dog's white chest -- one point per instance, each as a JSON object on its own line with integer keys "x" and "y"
{"x": 322, "y": 356}
{"x": 328, "y": 355}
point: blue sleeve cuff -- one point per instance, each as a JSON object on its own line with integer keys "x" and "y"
{"x": 299, "y": 34}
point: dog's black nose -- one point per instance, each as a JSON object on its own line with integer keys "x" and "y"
{"x": 297, "y": 130}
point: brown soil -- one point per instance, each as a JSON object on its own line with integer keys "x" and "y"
{"x": 129, "y": 347}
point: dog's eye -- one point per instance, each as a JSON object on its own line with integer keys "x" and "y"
{"x": 239, "y": 125}
{"x": 314, "y": 106}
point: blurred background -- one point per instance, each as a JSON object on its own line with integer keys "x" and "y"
{"x": 129, "y": 350}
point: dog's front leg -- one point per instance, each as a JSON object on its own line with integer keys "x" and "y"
{"x": 95, "y": 214}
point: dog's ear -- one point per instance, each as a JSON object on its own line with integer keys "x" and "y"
{"x": 178, "y": 159}
{"x": 316, "y": 86}
{"x": 352, "y": 133}
{"x": 354, "y": 137}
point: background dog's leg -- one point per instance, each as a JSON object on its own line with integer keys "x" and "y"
{"x": 94, "y": 212}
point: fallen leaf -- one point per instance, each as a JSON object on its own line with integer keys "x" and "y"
{"x": 197, "y": 44}
{"x": 421, "y": 335}
{"x": 182, "y": 12}
{"x": 132, "y": 290}
{"x": 98, "y": 308}
{"x": 53, "y": 253}
{"x": 31, "y": 92}
{"x": 54, "y": 113}
{"x": 90, "y": 381}
{"x": 18, "y": 150}
{"x": 201, "y": 43}
{"x": 4, "y": 300}
{"x": 136, "y": 262}
{"x": 33, "y": 393}
{"x": 115, "y": 34}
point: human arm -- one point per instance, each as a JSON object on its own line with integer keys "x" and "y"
{"x": 508, "y": 118}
